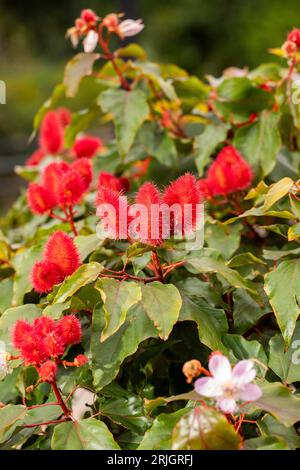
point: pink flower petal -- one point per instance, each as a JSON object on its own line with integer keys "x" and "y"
{"x": 227, "y": 405}
{"x": 207, "y": 386}
{"x": 243, "y": 372}
{"x": 220, "y": 367}
{"x": 251, "y": 392}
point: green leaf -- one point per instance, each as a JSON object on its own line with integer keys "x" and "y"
{"x": 277, "y": 191}
{"x": 86, "y": 434}
{"x": 281, "y": 360}
{"x": 109, "y": 355}
{"x": 77, "y": 68}
{"x": 246, "y": 311}
{"x": 23, "y": 263}
{"x": 280, "y": 402}
{"x": 129, "y": 110}
{"x": 225, "y": 241}
{"x": 270, "y": 427}
{"x": 132, "y": 50}
{"x": 294, "y": 232}
{"x": 260, "y": 142}
{"x": 207, "y": 142}
{"x": 162, "y": 303}
{"x": 205, "y": 429}
{"x": 266, "y": 443}
{"x": 84, "y": 275}
{"x": 86, "y": 245}
{"x": 283, "y": 289}
{"x": 6, "y": 292}
{"x": 117, "y": 297}
{"x": 244, "y": 349}
{"x": 159, "y": 436}
{"x": 11, "y": 416}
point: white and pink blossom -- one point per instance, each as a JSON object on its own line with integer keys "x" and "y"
{"x": 90, "y": 41}
{"x": 227, "y": 385}
{"x": 129, "y": 28}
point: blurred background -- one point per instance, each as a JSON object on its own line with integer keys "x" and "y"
{"x": 203, "y": 36}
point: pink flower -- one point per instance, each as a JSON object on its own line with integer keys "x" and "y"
{"x": 228, "y": 386}
{"x": 129, "y": 28}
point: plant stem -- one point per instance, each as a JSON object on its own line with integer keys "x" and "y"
{"x": 60, "y": 400}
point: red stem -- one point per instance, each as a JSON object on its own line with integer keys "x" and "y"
{"x": 60, "y": 400}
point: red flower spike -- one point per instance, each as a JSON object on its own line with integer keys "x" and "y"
{"x": 32, "y": 351}
{"x": 53, "y": 344}
{"x": 45, "y": 275}
{"x": 69, "y": 330}
{"x": 39, "y": 199}
{"x": 117, "y": 221}
{"x": 294, "y": 36}
{"x": 149, "y": 196}
{"x": 36, "y": 158}
{"x": 229, "y": 172}
{"x": 108, "y": 180}
{"x": 43, "y": 326}
{"x": 80, "y": 360}
{"x": 71, "y": 189}
{"x": 83, "y": 166}
{"x": 184, "y": 193}
{"x": 61, "y": 249}
{"x": 52, "y": 134}
{"x": 47, "y": 371}
{"x": 53, "y": 175}
{"x": 64, "y": 115}
{"x": 21, "y": 330}
{"x": 87, "y": 147}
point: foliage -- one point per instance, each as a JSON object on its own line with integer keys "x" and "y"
{"x": 152, "y": 313}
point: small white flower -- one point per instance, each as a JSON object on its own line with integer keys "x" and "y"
{"x": 90, "y": 41}
{"x": 227, "y": 386}
{"x": 4, "y": 365}
{"x": 129, "y": 28}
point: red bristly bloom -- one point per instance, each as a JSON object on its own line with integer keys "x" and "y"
{"x": 36, "y": 158}
{"x": 80, "y": 360}
{"x": 43, "y": 326}
{"x": 64, "y": 116}
{"x": 184, "y": 195}
{"x": 32, "y": 351}
{"x": 204, "y": 188}
{"x": 71, "y": 189}
{"x": 52, "y": 134}
{"x": 47, "y": 371}
{"x": 45, "y": 275}
{"x": 108, "y": 180}
{"x": 53, "y": 344}
{"x": 39, "y": 199}
{"x": 83, "y": 166}
{"x": 21, "y": 331}
{"x": 69, "y": 330}
{"x": 62, "y": 251}
{"x": 294, "y": 36}
{"x": 149, "y": 196}
{"x": 87, "y": 147}
{"x": 52, "y": 176}
{"x": 114, "y": 208}
{"x": 229, "y": 172}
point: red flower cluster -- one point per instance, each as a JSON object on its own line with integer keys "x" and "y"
{"x": 292, "y": 44}
{"x": 146, "y": 220}
{"x": 62, "y": 185}
{"x": 44, "y": 342}
{"x": 227, "y": 174}
{"x": 60, "y": 260}
{"x": 118, "y": 184}
{"x": 86, "y": 147}
{"x": 51, "y": 136}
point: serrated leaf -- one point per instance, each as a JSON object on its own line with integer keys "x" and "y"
{"x": 281, "y": 360}
{"x": 77, "y": 68}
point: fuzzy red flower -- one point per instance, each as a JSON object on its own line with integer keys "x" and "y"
{"x": 150, "y": 225}
{"x": 22, "y": 330}
{"x": 39, "y": 199}
{"x": 229, "y": 172}
{"x": 114, "y": 208}
{"x": 45, "y": 275}
{"x": 53, "y": 344}
{"x": 204, "y": 188}
{"x": 87, "y": 147}
{"x": 47, "y": 371}
{"x": 108, "y": 180}
{"x": 36, "y": 158}
{"x": 64, "y": 116}
{"x": 32, "y": 351}
{"x": 71, "y": 189}
{"x": 51, "y": 134}
{"x": 183, "y": 194}
{"x": 83, "y": 166}
{"x": 69, "y": 330}
{"x": 62, "y": 251}
{"x": 43, "y": 325}
{"x": 80, "y": 360}
{"x": 53, "y": 175}
{"x": 294, "y": 36}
